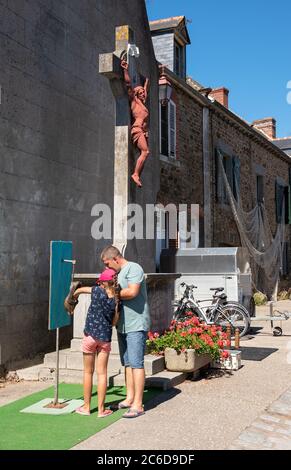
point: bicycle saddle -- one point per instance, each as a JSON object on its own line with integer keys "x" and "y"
{"x": 218, "y": 289}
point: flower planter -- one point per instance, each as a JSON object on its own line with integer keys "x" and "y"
{"x": 186, "y": 361}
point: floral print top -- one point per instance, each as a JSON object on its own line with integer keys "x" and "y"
{"x": 100, "y": 314}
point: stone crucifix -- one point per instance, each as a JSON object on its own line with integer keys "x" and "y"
{"x": 120, "y": 69}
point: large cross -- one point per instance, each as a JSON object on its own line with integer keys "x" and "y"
{"x": 109, "y": 66}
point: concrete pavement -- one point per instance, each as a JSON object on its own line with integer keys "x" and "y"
{"x": 212, "y": 412}
{"x": 219, "y": 411}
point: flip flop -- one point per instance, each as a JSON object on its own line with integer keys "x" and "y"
{"x": 81, "y": 411}
{"x": 119, "y": 406}
{"x": 105, "y": 414}
{"x": 122, "y": 405}
{"x": 133, "y": 413}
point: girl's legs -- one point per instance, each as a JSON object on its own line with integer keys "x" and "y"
{"x": 89, "y": 366}
{"x": 102, "y": 361}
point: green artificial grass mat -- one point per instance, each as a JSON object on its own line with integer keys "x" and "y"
{"x": 24, "y": 431}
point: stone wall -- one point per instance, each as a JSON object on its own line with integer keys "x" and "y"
{"x": 56, "y": 145}
{"x": 182, "y": 179}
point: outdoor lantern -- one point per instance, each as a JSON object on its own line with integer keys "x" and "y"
{"x": 165, "y": 90}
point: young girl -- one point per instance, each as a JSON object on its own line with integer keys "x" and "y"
{"x": 102, "y": 314}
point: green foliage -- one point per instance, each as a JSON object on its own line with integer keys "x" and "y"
{"x": 189, "y": 334}
{"x": 260, "y": 298}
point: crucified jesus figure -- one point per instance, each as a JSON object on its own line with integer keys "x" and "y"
{"x": 140, "y": 114}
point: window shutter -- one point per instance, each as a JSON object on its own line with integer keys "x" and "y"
{"x": 285, "y": 264}
{"x": 172, "y": 129}
{"x": 218, "y": 178}
{"x": 279, "y": 192}
{"x": 289, "y": 197}
{"x": 236, "y": 177}
{"x": 164, "y": 130}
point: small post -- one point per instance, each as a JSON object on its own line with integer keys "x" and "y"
{"x": 236, "y": 339}
{"x": 272, "y": 313}
{"x": 56, "y": 395}
{"x": 228, "y": 333}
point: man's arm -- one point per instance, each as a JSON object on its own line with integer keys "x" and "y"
{"x": 130, "y": 292}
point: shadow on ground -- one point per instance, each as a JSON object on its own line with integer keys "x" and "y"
{"x": 256, "y": 354}
{"x": 162, "y": 398}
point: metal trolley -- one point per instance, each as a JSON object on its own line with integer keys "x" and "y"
{"x": 274, "y": 316}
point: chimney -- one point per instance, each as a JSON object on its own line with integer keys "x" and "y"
{"x": 220, "y": 95}
{"x": 267, "y": 126}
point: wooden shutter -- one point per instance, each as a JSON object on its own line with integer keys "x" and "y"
{"x": 236, "y": 177}
{"x": 279, "y": 194}
{"x": 289, "y": 197}
{"x": 218, "y": 177}
{"x": 164, "y": 130}
{"x": 172, "y": 129}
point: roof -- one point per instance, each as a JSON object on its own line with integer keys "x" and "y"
{"x": 196, "y": 94}
{"x": 177, "y": 23}
{"x": 283, "y": 143}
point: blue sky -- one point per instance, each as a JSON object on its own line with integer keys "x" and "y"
{"x": 242, "y": 45}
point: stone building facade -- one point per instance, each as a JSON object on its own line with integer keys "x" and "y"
{"x": 204, "y": 124}
{"x": 57, "y": 120}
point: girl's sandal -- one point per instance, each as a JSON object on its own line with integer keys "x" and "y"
{"x": 105, "y": 414}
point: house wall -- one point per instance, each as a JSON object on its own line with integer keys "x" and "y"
{"x": 57, "y": 150}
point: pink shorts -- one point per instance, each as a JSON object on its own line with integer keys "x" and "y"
{"x": 92, "y": 346}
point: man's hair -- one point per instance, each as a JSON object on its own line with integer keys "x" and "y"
{"x": 110, "y": 252}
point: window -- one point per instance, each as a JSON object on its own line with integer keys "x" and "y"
{"x": 162, "y": 234}
{"x": 168, "y": 130}
{"x": 179, "y": 60}
{"x": 282, "y": 201}
{"x": 285, "y": 260}
{"x": 231, "y": 165}
{"x": 260, "y": 189}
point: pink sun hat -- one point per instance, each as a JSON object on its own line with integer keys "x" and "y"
{"x": 107, "y": 275}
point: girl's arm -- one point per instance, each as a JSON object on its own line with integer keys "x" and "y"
{"x": 82, "y": 290}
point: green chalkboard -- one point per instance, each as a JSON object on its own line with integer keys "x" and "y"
{"x": 60, "y": 280}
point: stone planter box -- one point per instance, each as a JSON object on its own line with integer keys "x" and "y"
{"x": 186, "y": 361}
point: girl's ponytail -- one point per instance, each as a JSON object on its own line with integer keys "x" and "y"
{"x": 117, "y": 300}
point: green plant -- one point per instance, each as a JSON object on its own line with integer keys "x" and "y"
{"x": 260, "y": 298}
{"x": 283, "y": 295}
{"x": 190, "y": 334}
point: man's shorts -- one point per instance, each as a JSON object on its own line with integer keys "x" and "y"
{"x": 132, "y": 348}
{"x": 91, "y": 345}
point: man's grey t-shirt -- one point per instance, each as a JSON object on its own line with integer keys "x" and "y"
{"x": 134, "y": 315}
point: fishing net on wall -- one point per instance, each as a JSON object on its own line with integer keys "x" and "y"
{"x": 265, "y": 250}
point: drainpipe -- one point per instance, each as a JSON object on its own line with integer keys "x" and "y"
{"x": 206, "y": 179}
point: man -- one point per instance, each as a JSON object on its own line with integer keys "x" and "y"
{"x": 132, "y": 327}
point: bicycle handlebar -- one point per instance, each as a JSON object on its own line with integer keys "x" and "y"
{"x": 190, "y": 286}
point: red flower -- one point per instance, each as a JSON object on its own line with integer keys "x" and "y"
{"x": 225, "y": 354}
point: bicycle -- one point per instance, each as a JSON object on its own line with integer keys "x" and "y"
{"x": 221, "y": 312}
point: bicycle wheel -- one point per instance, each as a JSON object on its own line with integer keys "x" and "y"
{"x": 231, "y": 314}
{"x": 238, "y": 305}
